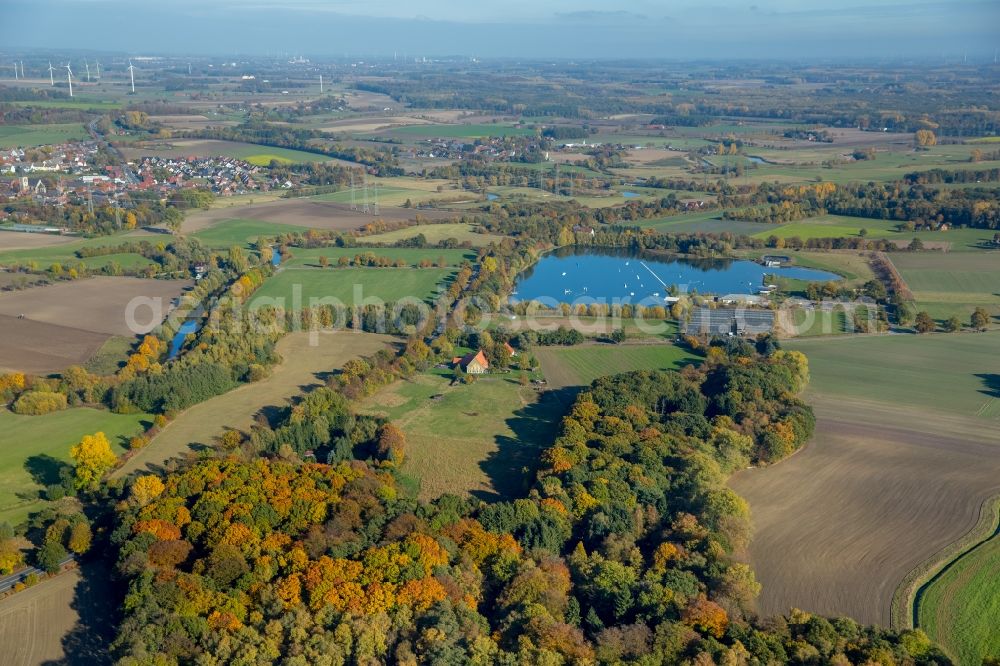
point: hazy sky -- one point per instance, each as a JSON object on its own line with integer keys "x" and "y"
{"x": 677, "y": 29}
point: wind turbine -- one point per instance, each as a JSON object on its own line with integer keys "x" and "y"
{"x": 85, "y": 64}
{"x": 22, "y": 69}
{"x": 131, "y": 73}
{"x": 97, "y": 62}
{"x": 69, "y": 78}
{"x": 320, "y": 84}
{"x": 15, "y": 70}
{"x": 52, "y": 79}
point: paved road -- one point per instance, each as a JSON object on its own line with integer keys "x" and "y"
{"x": 7, "y": 582}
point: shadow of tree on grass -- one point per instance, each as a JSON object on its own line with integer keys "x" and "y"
{"x": 511, "y": 468}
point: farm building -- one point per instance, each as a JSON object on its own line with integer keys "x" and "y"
{"x": 474, "y": 363}
{"x": 742, "y": 299}
{"x": 730, "y": 321}
{"x": 773, "y": 260}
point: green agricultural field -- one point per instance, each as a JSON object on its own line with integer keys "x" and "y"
{"x": 701, "y": 222}
{"x": 461, "y": 131}
{"x": 65, "y": 254}
{"x": 828, "y": 226}
{"x": 268, "y": 154}
{"x": 805, "y": 323}
{"x": 388, "y": 195}
{"x": 952, "y": 283}
{"x": 434, "y": 233}
{"x": 476, "y": 439}
{"x": 228, "y": 233}
{"x": 892, "y": 165}
{"x": 938, "y": 372}
{"x": 28, "y": 136}
{"x": 960, "y": 608}
{"x": 75, "y": 103}
{"x": 309, "y": 257}
{"x": 297, "y": 286}
{"x": 38, "y": 445}
{"x": 581, "y": 365}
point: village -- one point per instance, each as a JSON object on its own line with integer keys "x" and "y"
{"x": 73, "y": 173}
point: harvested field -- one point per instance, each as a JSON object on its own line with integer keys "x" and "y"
{"x": 307, "y": 213}
{"x": 303, "y": 366}
{"x": 904, "y": 455}
{"x": 97, "y": 305}
{"x": 38, "y": 348}
{"x": 33, "y": 622}
{"x": 434, "y": 233}
{"x": 19, "y": 240}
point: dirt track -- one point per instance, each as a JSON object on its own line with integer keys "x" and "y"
{"x": 839, "y": 524}
{"x": 306, "y": 213}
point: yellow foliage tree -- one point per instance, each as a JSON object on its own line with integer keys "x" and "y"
{"x": 146, "y": 489}
{"x": 93, "y": 458}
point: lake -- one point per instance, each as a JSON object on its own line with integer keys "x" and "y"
{"x": 571, "y": 273}
{"x": 275, "y": 256}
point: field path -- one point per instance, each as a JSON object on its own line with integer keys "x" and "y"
{"x": 200, "y": 424}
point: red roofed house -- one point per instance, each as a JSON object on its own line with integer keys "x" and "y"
{"x": 474, "y": 363}
{"x": 510, "y": 350}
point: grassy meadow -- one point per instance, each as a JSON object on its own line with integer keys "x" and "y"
{"x": 37, "y": 446}
{"x": 480, "y": 439}
{"x": 295, "y": 287}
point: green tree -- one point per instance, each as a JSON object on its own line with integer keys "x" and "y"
{"x": 50, "y": 555}
{"x": 953, "y": 325}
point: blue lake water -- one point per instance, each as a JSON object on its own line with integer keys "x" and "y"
{"x": 275, "y": 256}
{"x": 630, "y": 195}
{"x": 492, "y": 197}
{"x": 606, "y": 274}
{"x": 189, "y": 326}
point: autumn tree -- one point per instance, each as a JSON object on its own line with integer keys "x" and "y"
{"x": 391, "y": 444}
{"x": 93, "y": 458}
{"x": 79, "y": 537}
{"x": 925, "y": 138}
{"x": 924, "y": 323}
{"x": 980, "y": 319}
{"x": 146, "y": 488}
